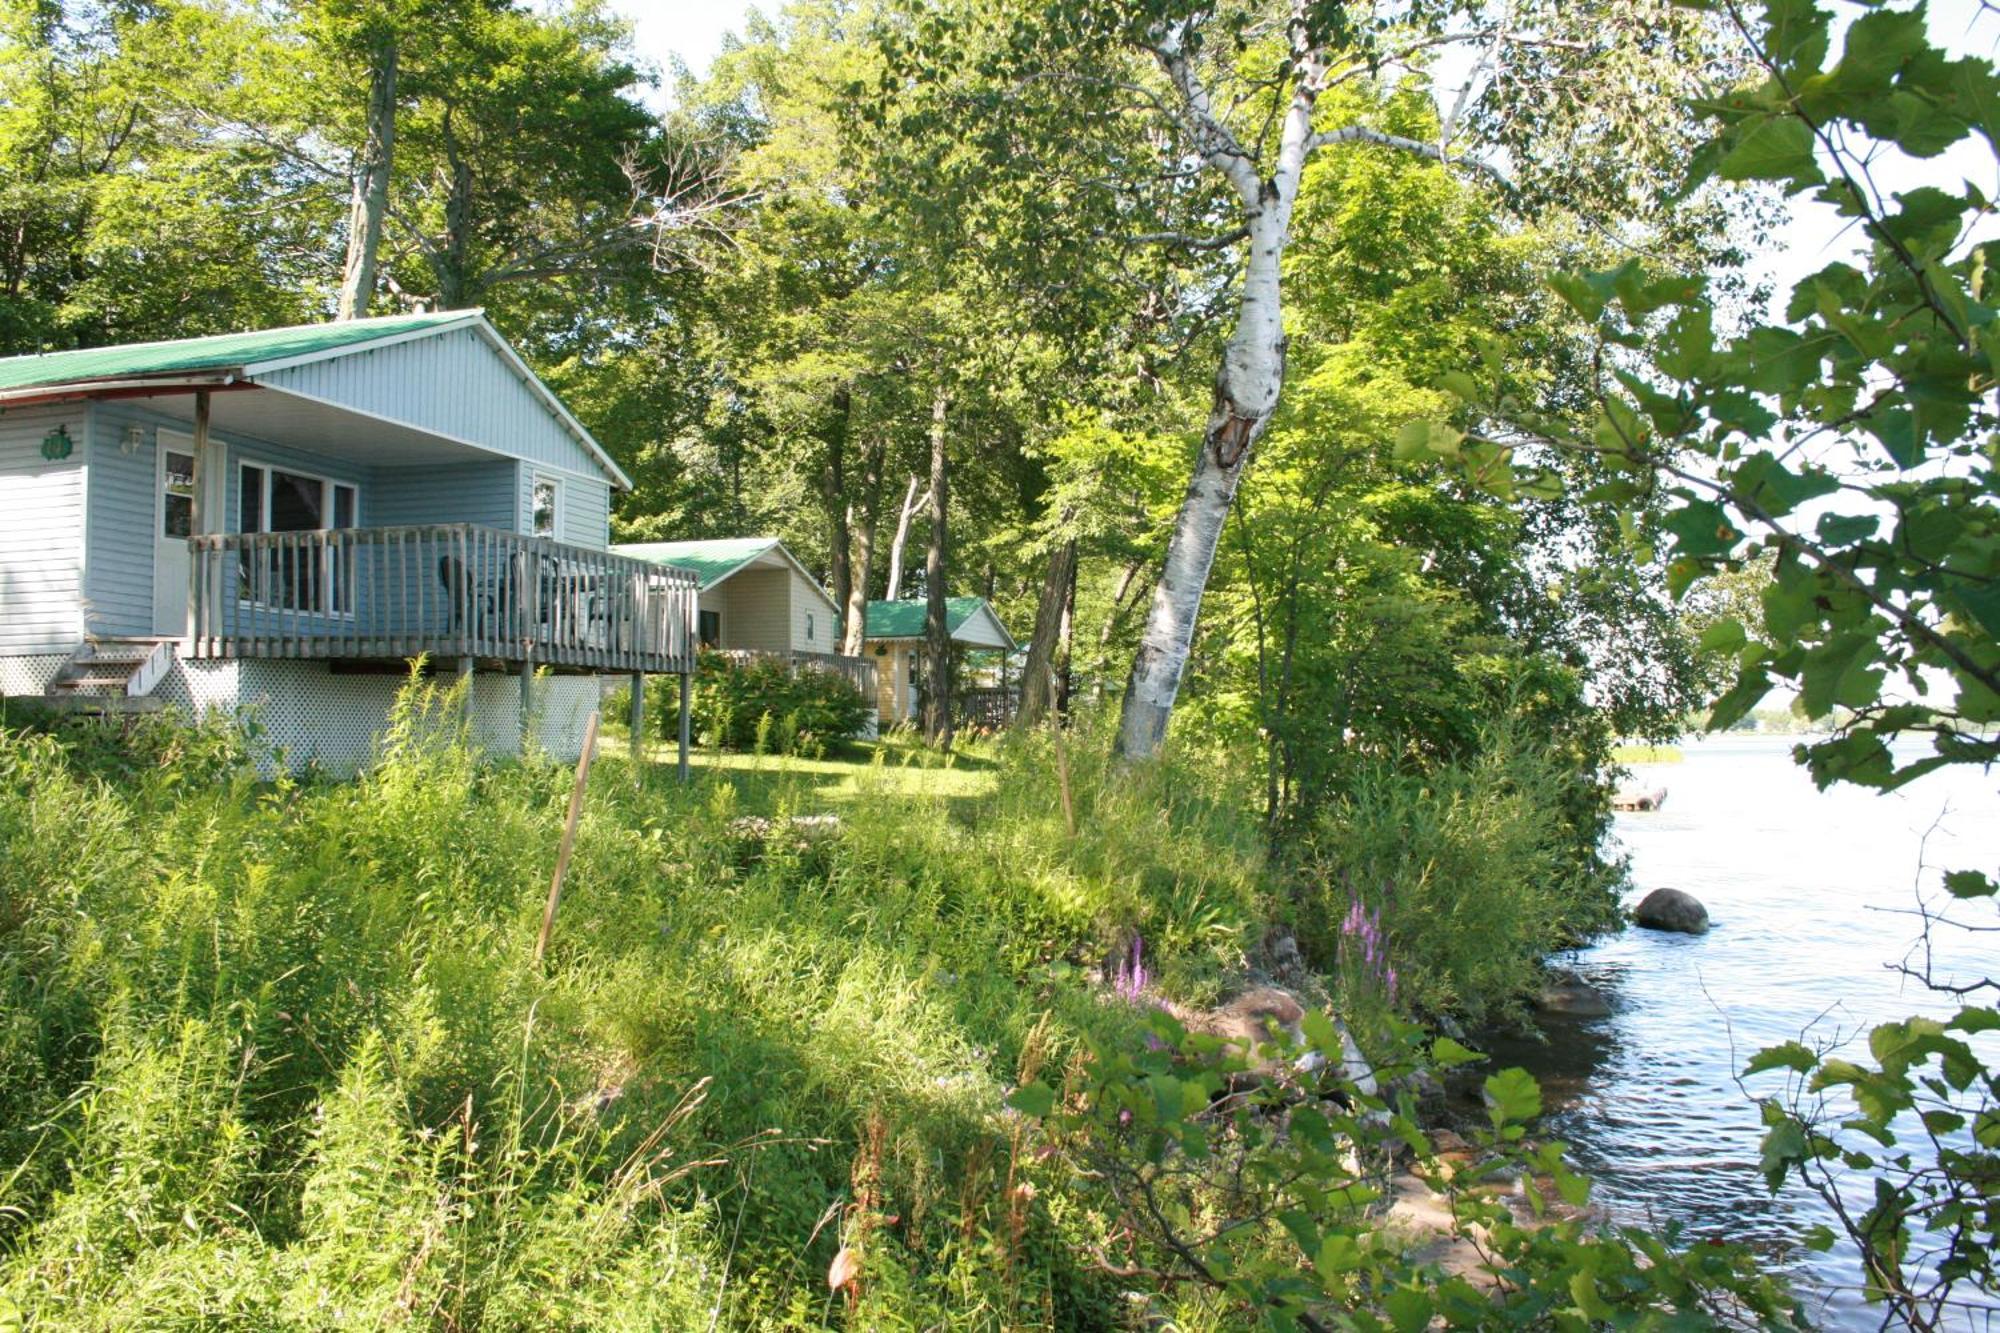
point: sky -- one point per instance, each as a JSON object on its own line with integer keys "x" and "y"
{"x": 689, "y": 29}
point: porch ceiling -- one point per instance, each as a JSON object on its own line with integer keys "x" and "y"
{"x": 305, "y": 423}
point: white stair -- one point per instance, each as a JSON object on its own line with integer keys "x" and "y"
{"x": 113, "y": 674}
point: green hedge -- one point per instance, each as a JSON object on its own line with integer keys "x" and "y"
{"x": 763, "y": 705}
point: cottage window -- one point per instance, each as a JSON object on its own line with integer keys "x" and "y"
{"x": 177, "y": 496}
{"x": 809, "y": 627}
{"x": 542, "y": 514}
{"x": 296, "y": 578}
{"x": 711, "y": 629}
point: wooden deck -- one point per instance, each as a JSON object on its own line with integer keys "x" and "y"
{"x": 446, "y": 590}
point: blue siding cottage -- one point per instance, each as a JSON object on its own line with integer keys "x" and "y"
{"x": 278, "y": 519}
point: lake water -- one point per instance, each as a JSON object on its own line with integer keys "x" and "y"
{"x": 1807, "y": 893}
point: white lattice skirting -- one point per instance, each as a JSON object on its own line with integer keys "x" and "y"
{"x": 29, "y": 675}
{"x": 312, "y": 716}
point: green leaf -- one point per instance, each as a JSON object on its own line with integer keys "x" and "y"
{"x": 1765, "y": 480}
{"x": 1784, "y": 1146}
{"x": 1724, "y": 636}
{"x": 1513, "y": 1096}
{"x": 1413, "y": 441}
{"x": 1460, "y": 384}
{"x": 1702, "y": 529}
{"x": 1450, "y": 1054}
{"x": 1750, "y": 688}
{"x": 1582, "y": 296}
{"x": 1787, "y": 1055}
{"x": 1969, "y": 884}
{"x": 1339, "y": 1254}
{"x": 1409, "y": 1308}
{"x": 1034, "y": 1100}
{"x": 1840, "y": 671}
{"x": 1583, "y": 1290}
{"x": 1777, "y": 147}
{"x": 1846, "y": 529}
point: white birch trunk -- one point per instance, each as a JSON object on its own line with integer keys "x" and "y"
{"x": 1246, "y": 394}
{"x": 911, "y": 503}
{"x": 1247, "y": 384}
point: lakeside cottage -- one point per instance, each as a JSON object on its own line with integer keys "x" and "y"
{"x": 279, "y": 519}
{"x": 757, "y": 599}
{"x": 894, "y": 637}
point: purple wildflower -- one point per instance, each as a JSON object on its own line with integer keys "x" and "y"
{"x": 1364, "y": 949}
{"x": 1128, "y": 976}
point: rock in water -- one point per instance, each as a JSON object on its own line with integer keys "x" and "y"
{"x": 1568, "y": 993}
{"x": 1670, "y": 909}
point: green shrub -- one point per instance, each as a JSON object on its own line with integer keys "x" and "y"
{"x": 763, "y": 704}
{"x": 1472, "y": 878}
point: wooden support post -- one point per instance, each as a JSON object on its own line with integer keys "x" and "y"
{"x": 687, "y": 719}
{"x": 568, "y": 838}
{"x": 199, "y": 518}
{"x": 527, "y": 699}
{"x": 638, "y": 719}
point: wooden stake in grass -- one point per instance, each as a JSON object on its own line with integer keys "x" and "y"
{"x": 1062, "y": 779}
{"x": 568, "y": 837}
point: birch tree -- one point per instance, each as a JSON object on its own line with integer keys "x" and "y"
{"x": 1577, "y": 102}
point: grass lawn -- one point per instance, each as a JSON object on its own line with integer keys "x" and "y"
{"x": 1646, "y": 754}
{"x": 889, "y": 769}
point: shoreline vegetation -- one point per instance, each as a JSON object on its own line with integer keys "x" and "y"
{"x": 276, "y": 1053}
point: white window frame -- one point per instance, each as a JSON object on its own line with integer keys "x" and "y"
{"x": 536, "y": 480}
{"x": 328, "y": 494}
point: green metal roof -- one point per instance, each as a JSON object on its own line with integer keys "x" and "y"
{"x": 905, "y": 620}
{"x": 714, "y": 561}
{"x": 220, "y": 352}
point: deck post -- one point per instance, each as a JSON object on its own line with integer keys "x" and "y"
{"x": 638, "y": 719}
{"x": 687, "y": 728}
{"x": 198, "y": 516}
{"x": 527, "y": 699}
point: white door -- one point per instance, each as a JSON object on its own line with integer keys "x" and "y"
{"x": 173, "y": 522}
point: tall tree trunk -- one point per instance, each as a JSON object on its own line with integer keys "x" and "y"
{"x": 1246, "y": 393}
{"x": 1038, "y": 676}
{"x": 371, "y": 185}
{"x": 1129, "y": 585}
{"x": 911, "y": 502}
{"x": 451, "y": 262}
{"x": 937, "y": 625}
{"x": 863, "y": 527}
{"x": 833, "y": 490}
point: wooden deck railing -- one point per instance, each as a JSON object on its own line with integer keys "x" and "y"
{"x": 449, "y": 590}
{"x": 859, "y": 671}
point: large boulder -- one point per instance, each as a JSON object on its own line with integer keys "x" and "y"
{"x": 1670, "y": 909}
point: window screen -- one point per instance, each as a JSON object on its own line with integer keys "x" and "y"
{"x": 544, "y": 515}
{"x": 250, "y": 497}
{"x": 298, "y": 503}
{"x": 177, "y": 496}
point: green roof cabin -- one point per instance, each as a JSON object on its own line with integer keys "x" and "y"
{"x": 280, "y": 518}
{"x": 758, "y": 599}
{"x": 895, "y": 639}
